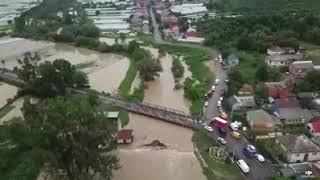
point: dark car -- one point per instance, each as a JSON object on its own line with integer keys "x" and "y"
{"x": 222, "y": 131}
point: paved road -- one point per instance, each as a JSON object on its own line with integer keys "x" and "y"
{"x": 258, "y": 171}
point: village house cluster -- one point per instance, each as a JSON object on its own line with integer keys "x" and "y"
{"x": 177, "y": 19}
{"x": 288, "y": 118}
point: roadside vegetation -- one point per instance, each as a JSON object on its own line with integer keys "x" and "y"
{"x": 202, "y": 77}
{"x": 223, "y": 170}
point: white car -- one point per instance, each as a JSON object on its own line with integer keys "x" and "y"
{"x": 222, "y": 141}
{"x": 216, "y": 82}
{"x": 208, "y": 128}
{"x": 219, "y": 104}
{"x": 259, "y": 157}
{"x": 308, "y": 173}
{"x": 206, "y": 104}
{"x": 213, "y": 88}
{"x": 221, "y": 98}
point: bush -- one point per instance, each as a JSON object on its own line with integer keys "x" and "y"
{"x": 88, "y": 42}
{"x": 177, "y": 68}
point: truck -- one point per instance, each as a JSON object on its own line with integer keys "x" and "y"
{"x": 219, "y": 122}
{"x": 243, "y": 166}
{"x": 249, "y": 151}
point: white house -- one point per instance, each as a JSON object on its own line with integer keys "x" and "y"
{"x": 275, "y": 50}
{"x": 282, "y": 59}
{"x": 299, "y": 148}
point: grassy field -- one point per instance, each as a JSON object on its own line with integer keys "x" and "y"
{"x": 215, "y": 169}
{"x": 195, "y": 59}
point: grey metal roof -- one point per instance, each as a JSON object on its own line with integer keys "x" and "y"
{"x": 298, "y": 144}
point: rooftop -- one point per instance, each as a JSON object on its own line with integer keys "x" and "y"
{"x": 125, "y": 134}
{"x": 260, "y": 116}
{"x": 246, "y": 88}
{"x": 316, "y": 126}
{"x": 285, "y": 57}
{"x": 302, "y": 64}
{"x": 290, "y": 102}
{"x": 113, "y": 114}
{"x": 295, "y": 113}
{"x": 298, "y": 144}
{"x": 247, "y": 101}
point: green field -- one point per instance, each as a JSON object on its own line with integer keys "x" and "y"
{"x": 260, "y": 6}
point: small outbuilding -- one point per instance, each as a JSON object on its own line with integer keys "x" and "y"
{"x": 113, "y": 115}
{"x": 125, "y": 136}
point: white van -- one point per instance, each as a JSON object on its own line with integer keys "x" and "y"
{"x": 243, "y": 166}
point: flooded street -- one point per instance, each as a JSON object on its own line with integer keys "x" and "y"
{"x": 178, "y": 161}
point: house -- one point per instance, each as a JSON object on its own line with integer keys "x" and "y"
{"x": 260, "y": 121}
{"x": 175, "y": 30}
{"x": 282, "y": 59}
{"x": 241, "y": 102}
{"x": 232, "y": 60}
{"x": 289, "y": 111}
{"x": 113, "y": 115}
{"x": 294, "y": 115}
{"x": 273, "y": 50}
{"x": 288, "y": 102}
{"x": 278, "y": 89}
{"x": 299, "y": 148}
{"x": 246, "y": 89}
{"x": 192, "y": 33}
{"x": 125, "y": 136}
{"x": 314, "y": 128}
{"x": 299, "y": 69}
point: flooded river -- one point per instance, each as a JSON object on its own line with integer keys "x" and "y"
{"x": 177, "y": 162}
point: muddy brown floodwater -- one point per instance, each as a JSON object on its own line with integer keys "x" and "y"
{"x": 6, "y": 91}
{"x": 177, "y": 162}
{"x": 107, "y": 69}
{"x": 105, "y": 73}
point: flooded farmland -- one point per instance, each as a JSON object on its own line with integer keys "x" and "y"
{"x": 177, "y": 162}
{"x": 105, "y": 70}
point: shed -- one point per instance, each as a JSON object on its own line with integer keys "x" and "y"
{"x": 113, "y": 115}
{"x": 125, "y": 136}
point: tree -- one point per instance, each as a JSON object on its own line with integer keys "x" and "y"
{"x": 63, "y": 135}
{"x": 133, "y": 45}
{"x": 177, "y": 68}
{"x": 48, "y": 79}
{"x": 149, "y": 69}
{"x": 262, "y": 73}
{"x": 123, "y": 38}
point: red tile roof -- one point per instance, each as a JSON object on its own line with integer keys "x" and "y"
{"x": 125, "y": 134}
{"x": 316, "y": 126}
